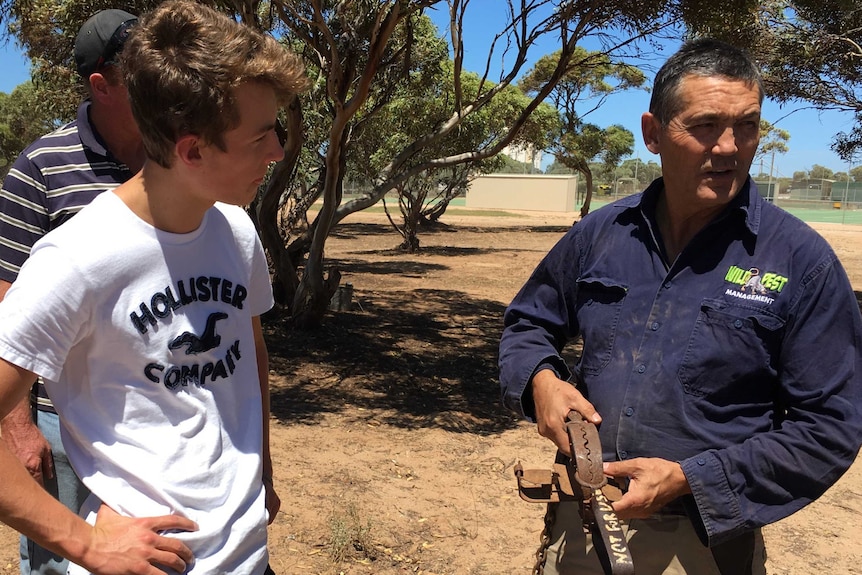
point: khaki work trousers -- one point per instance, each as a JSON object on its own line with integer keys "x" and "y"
{"x": 659, "y": 545}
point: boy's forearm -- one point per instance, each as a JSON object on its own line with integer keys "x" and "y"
{"x": 26, "y": 507}
{"x": 262, "y": 356}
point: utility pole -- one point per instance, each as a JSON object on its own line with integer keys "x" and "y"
{"x": 769, "y": 188}
{"x": 846, "y": 190}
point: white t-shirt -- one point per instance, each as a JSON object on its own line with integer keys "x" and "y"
{"x": 146, "y": 344}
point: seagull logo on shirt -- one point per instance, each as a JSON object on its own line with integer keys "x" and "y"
{"x": 195, "y": 344}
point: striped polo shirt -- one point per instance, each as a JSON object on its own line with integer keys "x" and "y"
{"x": 51, "y": 180}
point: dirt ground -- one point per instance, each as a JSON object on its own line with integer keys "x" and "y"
{"x": 392, "y": 451}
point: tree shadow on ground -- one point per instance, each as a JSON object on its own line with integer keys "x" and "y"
{"x": 556, "y": 230}
{"x": 357, "y": 230}
{"x": 423, "y": 358}
{"x": 394, "y": 267}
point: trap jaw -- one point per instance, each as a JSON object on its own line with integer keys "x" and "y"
{"x": 581, "y": 478}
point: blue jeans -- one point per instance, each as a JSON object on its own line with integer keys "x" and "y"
{"x": 64, "y": 486}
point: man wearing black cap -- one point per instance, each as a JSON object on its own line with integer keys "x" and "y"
{"x": 50, "y": 181}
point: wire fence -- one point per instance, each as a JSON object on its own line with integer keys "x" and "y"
{"x": 821, "y": 211}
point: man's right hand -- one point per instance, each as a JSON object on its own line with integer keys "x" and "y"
{"x": 27, "y": 443}
{"x": 554, "y": 399}
{"x": 127, "y": 546}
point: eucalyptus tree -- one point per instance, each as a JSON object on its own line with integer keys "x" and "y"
{"x": 22, "y": 120}
{"x": 772, "y": 141}
{"x": 578, "y": 93}
{"x": 424, "y": 196}
{"x": 815, "y": 54}
{"x": 810, "y": 52}
{"x": 358, "y": 53}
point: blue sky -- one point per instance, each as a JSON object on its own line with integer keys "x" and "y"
{"x": 811, "y": 132}
{"x": 14, "y": 67}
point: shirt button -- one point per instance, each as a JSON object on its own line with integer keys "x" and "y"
{"x": 666, "y": 285}
{"x": 641, "y": 368}
{"x": 624, "y": 454}
{"x": 737, "y": 324}
{"x": 654, "y": 326}
{"x": 700, "y": 461}
{"x": 629, "y": 411}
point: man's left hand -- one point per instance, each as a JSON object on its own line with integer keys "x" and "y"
{"x": 653, "y": 483}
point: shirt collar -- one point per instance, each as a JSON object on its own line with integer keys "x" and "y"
{"x": 748, "y": 204}
{"x": 89, "y": 137}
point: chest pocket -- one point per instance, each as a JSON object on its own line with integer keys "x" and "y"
{"x": 732, "y": 352}
{"x": 599, "y": 302}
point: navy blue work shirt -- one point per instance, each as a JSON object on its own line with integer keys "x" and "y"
{"x": 741, "y": 360}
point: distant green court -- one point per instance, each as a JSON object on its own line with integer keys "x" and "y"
{"x": 824, "y": 213}
{"x": 827, "y": 213}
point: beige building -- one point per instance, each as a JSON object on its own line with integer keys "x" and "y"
{"x": 539, "y": 192}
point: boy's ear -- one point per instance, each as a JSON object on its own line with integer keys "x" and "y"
{"x": 188, "y": 149}
{"x": 651, "y": 129}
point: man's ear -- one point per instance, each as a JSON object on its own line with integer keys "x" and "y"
{"x": 651, "y": 129}
{"x": 99, "y": 87}
{"x": 188, "y": 150}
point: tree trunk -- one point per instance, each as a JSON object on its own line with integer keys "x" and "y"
{"x": 284, "y": 278}
{"x": 585, "y": 209}
{"x": 411, "y": 231}
{"x": 314, "y": 292}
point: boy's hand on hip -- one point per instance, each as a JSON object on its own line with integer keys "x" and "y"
{"x": 133, "y": 546}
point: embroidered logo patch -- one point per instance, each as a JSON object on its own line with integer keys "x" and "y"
{"x": 754, "y": 285}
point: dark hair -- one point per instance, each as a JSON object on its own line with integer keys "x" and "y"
{"x": 182, "y": 64}
{"x": 701, "y": 57}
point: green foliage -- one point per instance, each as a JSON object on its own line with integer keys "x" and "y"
{"x": 590, "y": 78}
{"x": 736, "y": 21}
{"x": 388, "y": 106}
{"x": 809, "y": 50}
{"x": 415, "y": 110}
{"x": 557, "y": 168}
{"x": 419, "y": 104}
{"x": 818, "y": 172}
{"x": 772, "y": 140}
{"x": 643, "y": 172}
{"x": 23, "y": 118}
{"x": 577, "y": 149}
{"x": 46, "y": 30}
{"x": 509, "y": 165}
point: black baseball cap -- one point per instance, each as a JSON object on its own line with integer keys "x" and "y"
{"x": 101, "y": 38}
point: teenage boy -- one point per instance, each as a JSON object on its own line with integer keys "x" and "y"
{"x": 142, "y": 316}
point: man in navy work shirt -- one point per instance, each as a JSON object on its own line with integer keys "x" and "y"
{"x": 49, "y": 182}
{"x": 722, "y": 341}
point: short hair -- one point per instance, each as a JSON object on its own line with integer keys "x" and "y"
{"x": 701, "y": 57}
{"x": 181, "y": 66}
